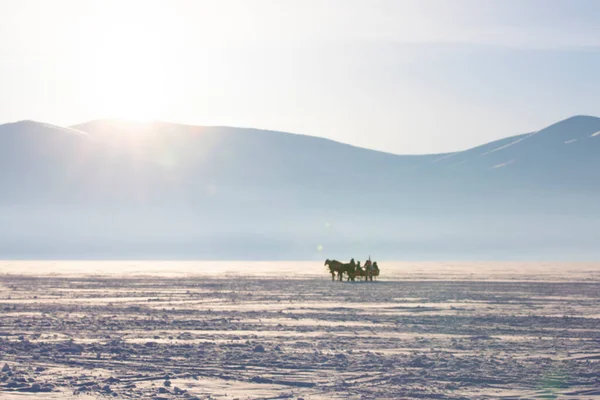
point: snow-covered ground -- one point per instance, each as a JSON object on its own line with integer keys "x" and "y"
{"x": 177, "y": 330}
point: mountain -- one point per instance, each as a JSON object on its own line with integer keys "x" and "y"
{"x": 561, "y": 154}
{"x": 118, "y": 189}
{"x": 46, "y": 164}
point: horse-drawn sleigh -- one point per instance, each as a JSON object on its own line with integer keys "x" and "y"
{"x": 352, "y": 270}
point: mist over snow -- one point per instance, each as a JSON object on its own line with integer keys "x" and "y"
{"x": 115, "y": 189}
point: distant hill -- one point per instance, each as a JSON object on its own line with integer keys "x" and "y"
{"x": 159, "y": 190}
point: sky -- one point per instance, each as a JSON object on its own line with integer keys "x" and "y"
{"x": 403, "y": 76}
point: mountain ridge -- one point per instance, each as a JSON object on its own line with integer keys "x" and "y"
{"x": 205, "y": 191}
{"x": 81, "y": 129}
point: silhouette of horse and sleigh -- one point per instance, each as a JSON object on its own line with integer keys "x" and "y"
{"x": 352, "y": 270}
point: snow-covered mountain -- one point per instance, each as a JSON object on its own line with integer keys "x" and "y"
{"x": 116, "y": 189}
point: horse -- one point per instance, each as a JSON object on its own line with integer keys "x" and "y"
{"x": 340, "y": 268}
{"x": 350, "y": 270}
{"x": 334, "y": 266}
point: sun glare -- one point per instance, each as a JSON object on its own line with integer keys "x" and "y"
{"x": 132, "y": 61}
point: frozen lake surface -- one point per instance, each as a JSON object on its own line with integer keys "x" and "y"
{"x": 283, "y": 330}
{"x": 392, "y": 270}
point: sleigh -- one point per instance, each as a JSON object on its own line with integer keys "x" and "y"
{"x": 367, "y": 274}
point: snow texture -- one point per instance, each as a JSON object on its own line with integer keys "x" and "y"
{"x": 437, "y": 330}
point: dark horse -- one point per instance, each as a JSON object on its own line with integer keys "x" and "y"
{"x": 340, "y": 268}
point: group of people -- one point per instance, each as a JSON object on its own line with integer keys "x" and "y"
{"x": 370, "y": 270}
{"x": 353, "y": 269}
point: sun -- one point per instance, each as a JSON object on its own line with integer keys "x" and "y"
{"x": 132, "y": 61}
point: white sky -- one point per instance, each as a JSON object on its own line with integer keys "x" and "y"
{"x": 402, "y": 76}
